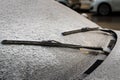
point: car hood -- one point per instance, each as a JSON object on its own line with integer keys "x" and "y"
{"x": 44, "y": 20}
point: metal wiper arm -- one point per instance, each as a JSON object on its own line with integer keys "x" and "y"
{"x": 49, "y": 43}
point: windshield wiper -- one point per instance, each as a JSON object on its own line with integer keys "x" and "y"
{"x": 79, "y": 30}
{"x": 112, "y": 42}
{"x": 49, "y": 43}
{"x": 86, "y": 29}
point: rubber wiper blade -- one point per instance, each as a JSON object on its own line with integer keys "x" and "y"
{"x": 48, "y": 43}
{"x": 86, "y": 29}
{"x": 79, "y": 30}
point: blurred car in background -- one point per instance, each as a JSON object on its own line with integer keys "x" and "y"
{"x": 102, "y": 7}
{"x": 74, "y": 4}
{"x": 105, "y": 7}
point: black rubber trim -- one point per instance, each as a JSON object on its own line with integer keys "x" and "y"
{"x": 93, "y": 67}
{"x": 111, "y": 44}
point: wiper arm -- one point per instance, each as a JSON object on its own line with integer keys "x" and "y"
{"x": 49, "y": 43}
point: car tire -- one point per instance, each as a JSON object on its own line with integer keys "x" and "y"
{"x": 104, "y": 9}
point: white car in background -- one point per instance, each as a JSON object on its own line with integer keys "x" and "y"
{"x": 103, "y": 7}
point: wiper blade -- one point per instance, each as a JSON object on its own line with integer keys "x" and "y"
{"x": 79, "y": 30}
{"x": 86, "y": 29}
{"x": 49, "y": 43}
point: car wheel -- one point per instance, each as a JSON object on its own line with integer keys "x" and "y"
{"x": 104, "y": 9}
